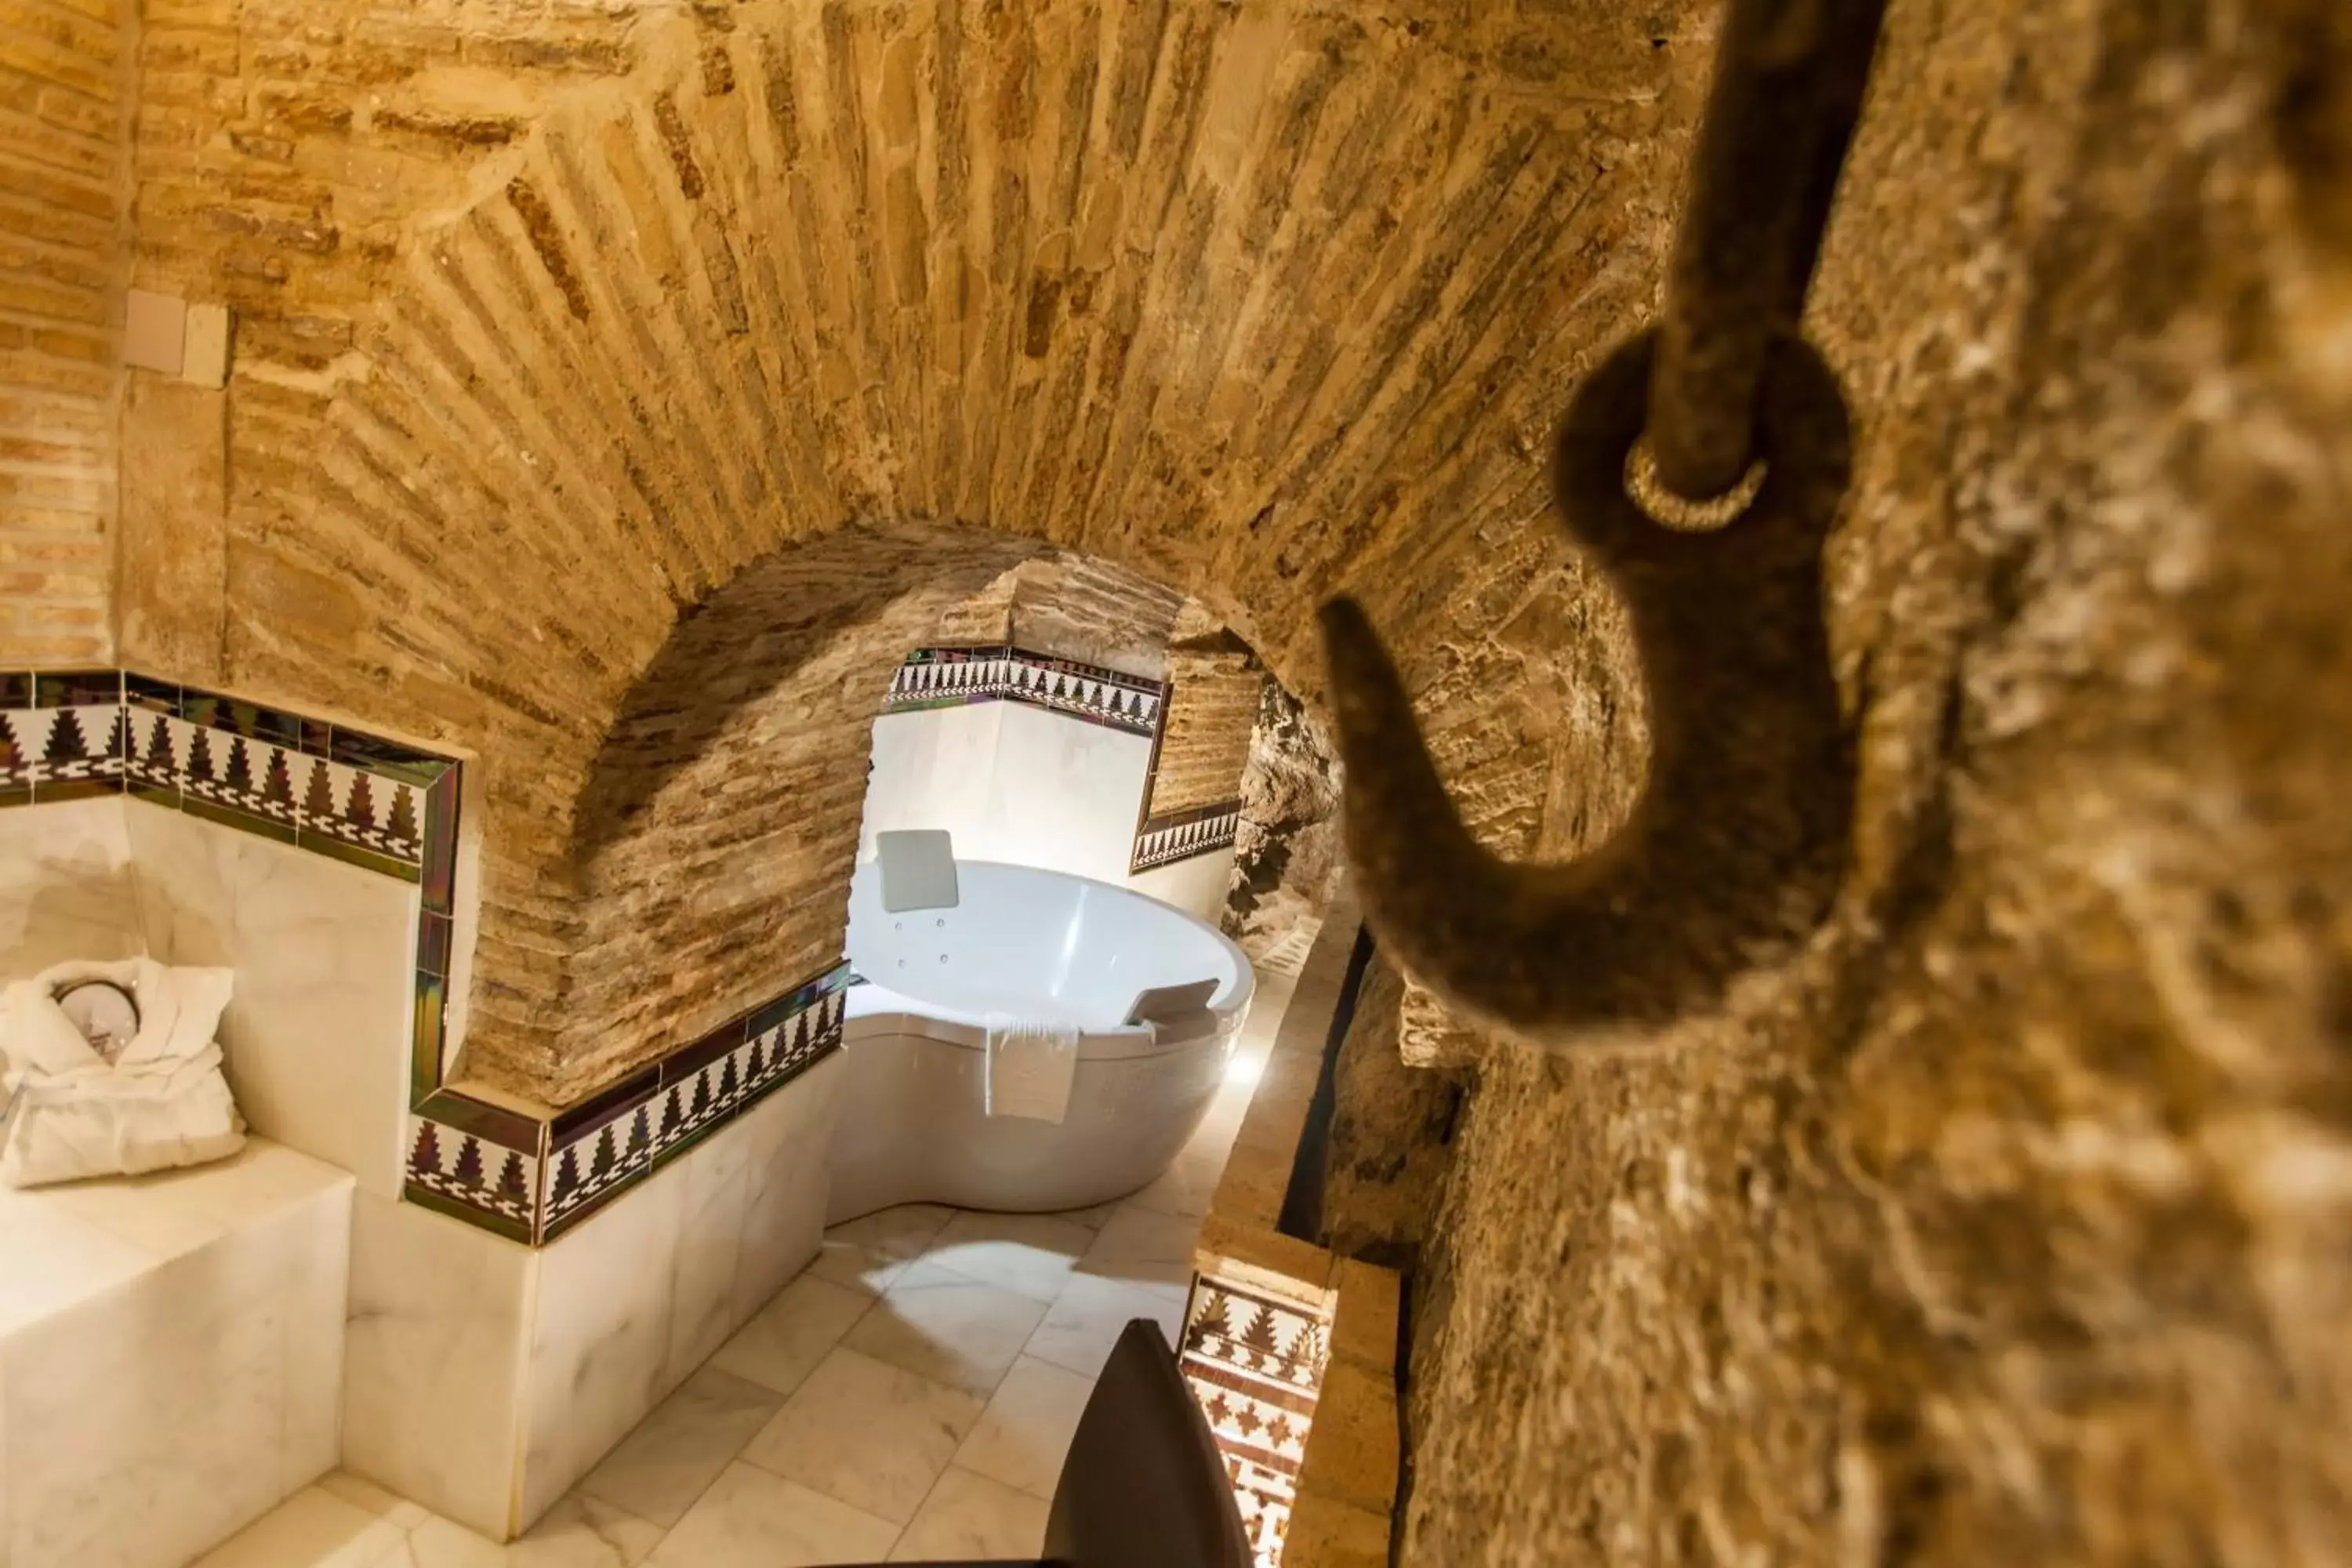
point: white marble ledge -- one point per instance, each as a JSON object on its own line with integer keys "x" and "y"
{"x": 63, "y": 1246}
{"x": 170, "y": 1356}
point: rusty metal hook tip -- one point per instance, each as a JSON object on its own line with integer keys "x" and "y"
{"x": 1738, "y": 841}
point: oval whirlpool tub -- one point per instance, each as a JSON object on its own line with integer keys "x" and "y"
{"x": 1041, "y": 946}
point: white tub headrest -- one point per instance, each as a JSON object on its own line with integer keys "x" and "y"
{"x": 1166, "y": 1003}
{"x": 917, "y": 869}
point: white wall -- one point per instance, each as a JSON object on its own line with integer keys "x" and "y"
{"x": 932, "y": 769}
{"x": 316, "y": 1035}
{"x": 1199, "y": 885}
{"x": 318, "y": 1027}
{"x": 1029, "y": 787}
{"x": 66, "y": 885}
{"x": 1066, "y": 794}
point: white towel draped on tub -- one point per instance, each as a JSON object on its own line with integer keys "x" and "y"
{"x": 162, "y": 1102}
{"x": 1029, "y": 1067}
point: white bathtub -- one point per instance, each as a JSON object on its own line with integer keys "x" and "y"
{"x": 1040, "y": 945}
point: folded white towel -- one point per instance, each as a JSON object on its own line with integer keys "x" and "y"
{"x": 162, "y": 1102}
{"x": 1029, "y": 1067}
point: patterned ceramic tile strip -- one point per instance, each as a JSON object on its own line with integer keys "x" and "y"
{"x": 532, "y": 1180}
{"x": 477, "y": 1162}
{"x": 60, "y": 735}
{"x": 1256, "y": 1364}
{"x": 67, "y": 734}
{"x": 1181, "y": 834}
{"x": 598, "y": 1150}
{"x": 952, "y": 677}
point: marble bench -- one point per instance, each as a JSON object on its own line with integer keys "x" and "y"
{"x": 170, "y": 1356}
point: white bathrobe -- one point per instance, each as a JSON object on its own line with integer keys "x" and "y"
{"x": 163, "y": 1101}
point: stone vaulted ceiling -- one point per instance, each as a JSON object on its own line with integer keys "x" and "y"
{"x": 556, "y": 317}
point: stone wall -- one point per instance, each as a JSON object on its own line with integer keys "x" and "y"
{"x": 1286, "y": 853}
{"x": 710, "y": 868}
{"x": 63, "y": 95}
{"x": 1392, "y": 1134}
{"x": 1072, "y": 607}
{"x": 2013, "y": 1224}
{"x": 1214, "y": 684}
{"x": 553, "y": 318}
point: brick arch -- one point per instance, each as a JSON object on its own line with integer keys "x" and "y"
{"x": 1258, "y": 301}
{"x": 713, "y": 841}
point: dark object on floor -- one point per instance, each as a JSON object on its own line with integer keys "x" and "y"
{"x": 1144, "y": 1486}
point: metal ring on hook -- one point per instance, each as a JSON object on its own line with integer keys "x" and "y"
{"x": 1739, "y": 839}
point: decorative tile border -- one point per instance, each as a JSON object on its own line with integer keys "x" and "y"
{"x": 1181, "y": 834}
{"x": 954, "y": 677}
{"x": 478, "y": 1163}
{"x": 328, "y": 788}
{"x": 60, "y": 735}
{"x": 1256, "y": 1363}
{"x": 531, "y": 1179}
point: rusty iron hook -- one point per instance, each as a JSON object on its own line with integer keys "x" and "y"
{"x": 1790, "y": 77}
{"x": 1739, "y": 839}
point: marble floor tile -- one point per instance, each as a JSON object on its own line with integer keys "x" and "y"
{"x": 1143, "y": 1247}
{"x": 969, "y": 1517}
{"x": 366, "y": 1494}
{"x": 1025, "y": 1433}
{"x": 1090, "y": 1315}
{"x": 951, "y": 1330}
{"x": 577, "y": 1532}
{"x": 1092, "y": 1218}
{"x": 784, "y": 1340}
{"x": 312, "y": 1529}
{"x": 1186, "y": 1186}
{"x": 749, "y": 1519}
{"x": 865, "y": 1433}
{"x": 675, "y": 1453}
{"x": 872, "y": 1252}
{"x": 1028, "y": 1254}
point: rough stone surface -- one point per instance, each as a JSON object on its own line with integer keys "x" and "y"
{"x": 64, "y": 165}
{"x": 709, "y": 866}
{"x": 2011, "y": 1225}
{"x": 1079, "y": 608}
{"x": 1287, "y": 852}
{"x": 1213, "y": 686}
{"x": 1074, "y": 607}
{"x": 1392, "y": 1134}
